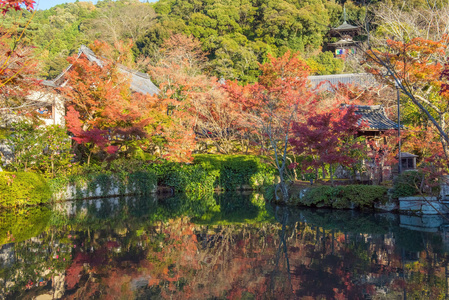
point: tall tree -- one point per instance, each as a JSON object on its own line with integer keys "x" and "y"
{"x": 173, "y": 107}
{"x": 237, "y": 35}
{"x": 328, "y": 138}
{"x": 415, "y": 67}
{"x": 270, "y": 106}
{"x": 18, "y": 66}
{"x": 120, "y": 20}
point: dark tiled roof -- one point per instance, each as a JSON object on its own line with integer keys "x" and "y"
{"x": 140, "y": 82}
{"x": 364, "y": 79}
{"x": 374, "y": 117}
{"x": 408, "y": 155}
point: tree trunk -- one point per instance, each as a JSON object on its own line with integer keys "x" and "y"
{"x": 282, "y": 186}
{"x": 52, "y": 167}
{"x": 331, "y": 174}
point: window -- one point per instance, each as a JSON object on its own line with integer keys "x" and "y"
{"x": 407, "y": 163}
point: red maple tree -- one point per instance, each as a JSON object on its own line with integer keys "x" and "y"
{"x": 268, "y": 108}
{"x": 6, "y": 5}
{"x": 327, "y": 138}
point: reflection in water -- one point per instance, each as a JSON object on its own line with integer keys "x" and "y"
{"x": 218, "y": 247}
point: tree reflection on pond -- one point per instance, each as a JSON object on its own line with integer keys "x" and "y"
{"x": 227, "y": 246}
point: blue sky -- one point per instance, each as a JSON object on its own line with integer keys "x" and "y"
{"x": 46, "y": 4}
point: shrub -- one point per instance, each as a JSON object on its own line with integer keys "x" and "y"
{"x": 363, "y": 195}
{"x": 407, "y": 184}
{"x": 359, "y": 196}
{"x": 318, "y": 196}
{"x": 237, "y": 170}
{"x": 164, "y": 170}
{"x": 23, "y": 188}
{"x": 192, "y": 178}
{"x": 43, "y": 149}
{"x": 143, "y": 181}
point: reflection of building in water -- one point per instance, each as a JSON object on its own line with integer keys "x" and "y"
{"x": 397, "y": 263}
{"x": 7, "y": 257}
{"x": 34, "y": 263}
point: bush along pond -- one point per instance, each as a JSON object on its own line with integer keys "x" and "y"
{"x": 212, "y": 173}
{"x": 207, "y": 174}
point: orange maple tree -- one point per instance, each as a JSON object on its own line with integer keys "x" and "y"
{"x": 269, "y": 107}
{"x": 181, "y": 85}
{"x": 417, "y": 68}
{"x": 103, "y": 112}
{"x": 18, "y": 66}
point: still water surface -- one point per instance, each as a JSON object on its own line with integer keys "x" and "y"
{"x": 218, "y": 247}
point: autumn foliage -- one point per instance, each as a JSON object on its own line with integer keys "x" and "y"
{"x": 103, "y": 111}
{"x": 418, "y": 68}
{"x": 269, "y": 107}
{"x": 6, "y": 5}
{"x": 328, "y": 138}
{"x": 18, "y": 65}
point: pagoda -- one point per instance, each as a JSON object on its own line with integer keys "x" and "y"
{"x": 345, "y": 34}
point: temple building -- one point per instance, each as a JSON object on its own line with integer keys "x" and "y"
{"x": 373, "y": 119}
{"x": 344, "y": 36}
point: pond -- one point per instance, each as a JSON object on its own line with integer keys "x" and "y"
{"x": 227, "y": 246}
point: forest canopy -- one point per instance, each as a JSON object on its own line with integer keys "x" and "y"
{"x": 236, "y": 35}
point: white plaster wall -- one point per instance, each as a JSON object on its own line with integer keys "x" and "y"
{"x": 57, "y": 103}
{"x": 70, "y": 191}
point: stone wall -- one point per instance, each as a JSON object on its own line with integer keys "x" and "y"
{"x": 106, "y": 188}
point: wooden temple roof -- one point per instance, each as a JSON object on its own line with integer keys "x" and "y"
{"x": 374, "y": 117}
{"x": 328, "y": 82}
{"x": 140, "y": 82}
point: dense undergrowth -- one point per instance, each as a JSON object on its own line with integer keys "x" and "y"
{"x": 340, "y": 197}
{"x": 207, "y": 174}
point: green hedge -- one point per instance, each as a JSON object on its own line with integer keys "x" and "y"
{"x": 407, "y": 184}
{"x": 234, "y": 171}
{"x": 349, "y": 196}
{"x": 209, "y": 172}
{"x": 23, "y": 188}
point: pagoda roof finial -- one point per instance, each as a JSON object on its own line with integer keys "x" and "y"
{"x": 346, "y": 25}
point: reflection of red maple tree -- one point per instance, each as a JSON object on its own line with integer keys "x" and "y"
{"x": 237, "y": 261}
